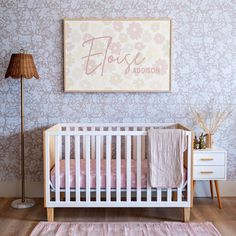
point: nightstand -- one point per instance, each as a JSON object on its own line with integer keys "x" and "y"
{"x": 210, "y": 164}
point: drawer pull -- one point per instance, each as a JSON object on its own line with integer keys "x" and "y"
{"x": 206, "y": 172}
{"x": 207, "y": 159}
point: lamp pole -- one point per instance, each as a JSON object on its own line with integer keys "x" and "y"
{"x": 22, "y": 143}
{"x": 23, "y": 202}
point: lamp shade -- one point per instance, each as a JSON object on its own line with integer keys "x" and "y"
{"x": 22, "y": 65}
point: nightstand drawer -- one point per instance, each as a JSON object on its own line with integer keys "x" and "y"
{"x": 208, "y": 172}
{"x": 209, "y": 158}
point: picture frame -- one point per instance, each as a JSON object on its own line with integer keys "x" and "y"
{"x": 117, "y": 55}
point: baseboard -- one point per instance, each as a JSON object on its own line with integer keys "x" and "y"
{"x": 227, "y": 189}
{"x": 13, "y": 189}
{"x": 35, "y": 189}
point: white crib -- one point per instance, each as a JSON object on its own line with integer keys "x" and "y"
{"x": 73, "y": 151}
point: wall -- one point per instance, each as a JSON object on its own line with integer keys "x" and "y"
{"x": 203, "y": 69}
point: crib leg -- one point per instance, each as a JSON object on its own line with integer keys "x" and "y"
{"x": 50, "y": 214}
{"x": 186, "y": 214}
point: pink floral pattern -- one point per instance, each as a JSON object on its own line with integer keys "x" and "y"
{"x": 115, "y": 48}
{"x": 117, "y": 25}
{"x": 135, "y": 30}
{"x": 159, "y": 38}
{"x": 139, "y": 46}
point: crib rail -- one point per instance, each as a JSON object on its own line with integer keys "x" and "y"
{"x": 109, "y": 143}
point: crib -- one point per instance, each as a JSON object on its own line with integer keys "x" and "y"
{"x": 105, "y": 165}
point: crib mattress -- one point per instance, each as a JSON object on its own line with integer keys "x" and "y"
{"x": 144, "y": 172}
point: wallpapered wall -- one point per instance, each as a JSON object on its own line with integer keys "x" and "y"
{"x": 203, "y": 69}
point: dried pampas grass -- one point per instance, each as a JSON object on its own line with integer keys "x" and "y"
{"x": 210, "y": 120}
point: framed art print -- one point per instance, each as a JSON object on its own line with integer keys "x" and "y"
{"x": 117, "y": 55}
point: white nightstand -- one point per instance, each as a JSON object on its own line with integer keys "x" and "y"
{"x": 210, "y": 164}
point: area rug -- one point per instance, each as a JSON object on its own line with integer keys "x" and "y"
{"x": 124, "y": 229}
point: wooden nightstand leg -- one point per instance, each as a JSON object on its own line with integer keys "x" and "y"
{"x": 218, "y": 194}
{"x": 211, "y": 188}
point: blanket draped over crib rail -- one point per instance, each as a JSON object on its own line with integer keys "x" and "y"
{"x": 165, "y": 155}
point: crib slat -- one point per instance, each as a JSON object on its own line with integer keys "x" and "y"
{"x": 126, "y": 129}
{"x": 84, "y": 143}
{"x": 77, "y": 168}
{"x": 159, "y": 195}
{"x": 169, "y": 195}
{"x": 149, "y": 190}
{"x": 149, "y": 193}
{"x": 57, "y": 167}
{"x": 179, "y": 194}
{"x": 102, "y": 144}
{"x": 118, "y": 168}
{"x": 134, "y": 156}
{"x": 67, "y": 163}
{"x": 128, "y": 169}
{"x": 98, "y": 164}
{"x": 93, "y": 144}
{"x": 108, "y": 168}
{"x": 110, "y": 129}
{"x": 139, "y": 169}
{"x": 87, "y": 168}
{"x": 143, "y": 145}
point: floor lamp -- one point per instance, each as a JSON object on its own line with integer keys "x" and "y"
{"x": 22, "y": 66}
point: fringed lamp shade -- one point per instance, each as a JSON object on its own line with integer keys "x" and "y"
{"x": 22, "y": 65}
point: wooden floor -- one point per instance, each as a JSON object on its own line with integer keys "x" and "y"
{"x": 21, "y": 222}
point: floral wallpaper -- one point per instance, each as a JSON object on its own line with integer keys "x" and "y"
{"x": 203, "y": 70}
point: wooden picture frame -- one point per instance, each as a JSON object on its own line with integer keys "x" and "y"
{"x": 117, "y": 55}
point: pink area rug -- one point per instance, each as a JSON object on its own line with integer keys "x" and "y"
{"x": 125, "y": 229}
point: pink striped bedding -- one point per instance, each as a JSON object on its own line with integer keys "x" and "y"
{"x": 144, "y": 172}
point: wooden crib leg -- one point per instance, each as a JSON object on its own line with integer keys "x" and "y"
{"x": 186, "y": 214}
{"x": 50, "y": 214}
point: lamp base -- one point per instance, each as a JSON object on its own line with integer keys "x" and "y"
{"x": 18, "y": 204}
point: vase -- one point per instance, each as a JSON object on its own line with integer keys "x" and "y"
{"x": 209, "y": 140}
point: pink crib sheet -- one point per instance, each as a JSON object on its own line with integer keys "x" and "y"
{"x": 102, "y": 173}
